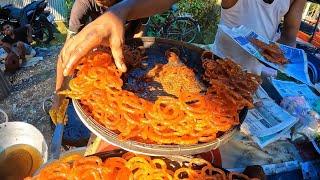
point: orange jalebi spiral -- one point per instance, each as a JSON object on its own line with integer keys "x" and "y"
{"x": 189, "y": 118}
{"x": 130, "y": 167}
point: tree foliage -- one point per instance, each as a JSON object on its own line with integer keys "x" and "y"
{"x": 69, "y": 4}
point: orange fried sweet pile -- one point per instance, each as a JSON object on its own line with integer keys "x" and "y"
{"x": 189, "y": 118}
{"x": 130, "y": 167}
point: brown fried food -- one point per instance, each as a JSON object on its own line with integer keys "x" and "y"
{"x": 175, "y": 77}
{"x": 134, "y": 57}
{"x": 271, "y": 51}
{"x": 229, "y": 81}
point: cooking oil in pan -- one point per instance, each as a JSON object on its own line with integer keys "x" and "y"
{"x": 19, "y": 161}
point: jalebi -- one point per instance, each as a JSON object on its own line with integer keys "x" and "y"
{"x": 229, "y": 82}
{"x": 130, "y": 167}
{"x": 271, "y": 51}
{"x": 188, "y": 118}
{"x": 175, "y": 77}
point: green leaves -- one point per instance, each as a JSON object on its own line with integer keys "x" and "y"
{"x": 69, "y": 4}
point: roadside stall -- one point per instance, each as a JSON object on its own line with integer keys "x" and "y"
{"x": 184, "y": 111}
{"x": 274, "y": 127}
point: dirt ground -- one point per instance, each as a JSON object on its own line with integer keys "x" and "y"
{"x": 29, "y": 88}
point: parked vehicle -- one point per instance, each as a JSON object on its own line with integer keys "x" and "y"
{"x": 172, "y": 25}
{"x": 309, "y": 41}
{"x": 33, "y": 14}
{"x": 308, "y": 33}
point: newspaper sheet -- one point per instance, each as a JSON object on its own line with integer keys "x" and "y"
{"x": 264, "y": 141}
{"x": 297, "y": 68}
{"x": 268, "y": 122}
{"x": 288, "y": 88}
{"x": 260, "y": 94}
{"x": 266, "y": 119}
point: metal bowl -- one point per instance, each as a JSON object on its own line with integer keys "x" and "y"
{"x": 23, "y": 141}
{"x": 155, "y": 50}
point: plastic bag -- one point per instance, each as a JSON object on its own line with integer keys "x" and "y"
{"x": 309, "y": 120}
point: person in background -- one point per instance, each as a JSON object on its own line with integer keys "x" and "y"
{"x": 12, "y": 59}
{"x": 264, "y": 17}
{"x": 21, "y": 34}
{"x": 85, "y": 11}
{"x": 19, "y": 38}
{"x": 16, "y": 42}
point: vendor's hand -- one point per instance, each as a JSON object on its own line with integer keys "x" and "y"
{"x": 107, "y": 30}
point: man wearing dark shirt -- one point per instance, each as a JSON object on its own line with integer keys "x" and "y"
{"x": 85, "y": 11}
{"x": 13, "y": 36}
{"x": 16, "y": 43}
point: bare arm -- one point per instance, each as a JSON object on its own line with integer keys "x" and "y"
{"x": 292, "y": 22}
{"x": 135, "y": 9}
{"x": 77, "y": 16}
{"x": 226, "y": 4}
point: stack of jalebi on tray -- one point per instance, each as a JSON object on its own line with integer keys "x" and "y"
{"x": 131, "y": 167}
{"x": 271, "y": 51}
{"x": 188, "y": 115}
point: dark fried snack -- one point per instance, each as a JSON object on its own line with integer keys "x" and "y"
{"x": 271, "y": 51}
{"x": 229, "y": 81}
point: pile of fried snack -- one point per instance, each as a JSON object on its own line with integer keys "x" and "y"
{"x": 271, "y": 51}
{"x": 193, "y": 114}
{"x": 130, "y": 167}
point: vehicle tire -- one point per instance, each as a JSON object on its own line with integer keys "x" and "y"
{"x": 45, "y": 34}
{"x": 182, "y": 29}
